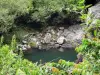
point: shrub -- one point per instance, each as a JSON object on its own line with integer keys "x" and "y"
{"x": 37, "y": 10}
{"x": 14, "y": 64}
{"x": 43, "y": 9}
{"x": 90, "y": 48}
{"x": 9, "y": 9}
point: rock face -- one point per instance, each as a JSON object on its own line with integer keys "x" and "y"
{"x": 93, "y": 13}
{"x": 92, "y": 19}
{"x": 56, "y": 37}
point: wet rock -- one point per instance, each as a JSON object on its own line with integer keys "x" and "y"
{"x": 60, "y": 40}
{"x": 40, "y": 47}
{"x": 61, "y": 49}
{"x": 24, "y": 47}
{"x": 68, "y": 45}
{"x": 56, "y": 46}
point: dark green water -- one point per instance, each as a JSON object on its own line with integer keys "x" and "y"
{"x": 51, "y": 55}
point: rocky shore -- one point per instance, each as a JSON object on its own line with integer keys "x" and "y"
{"x": 53, "y": 37}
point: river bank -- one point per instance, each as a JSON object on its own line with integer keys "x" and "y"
{"x": 53, "y": 37}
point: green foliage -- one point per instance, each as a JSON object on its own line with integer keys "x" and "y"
{"x": 91, "y": 51}
{"x": 43, "y": 9}
{"x": 94, "y": 30}
{"x": 9, "y": 10}
{"x": 14, "y": 64}
{"x": 1, "y": 41}
{"x": 38, "y": 10}
{"x": 13, "y": 42}
{"x": 83, "y": 17}
{"x": 90, "y": 47}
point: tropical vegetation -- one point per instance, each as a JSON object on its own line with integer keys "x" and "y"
{"x": 22, "y": 12}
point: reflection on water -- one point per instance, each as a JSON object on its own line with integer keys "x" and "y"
{"x": 51, "y": 55}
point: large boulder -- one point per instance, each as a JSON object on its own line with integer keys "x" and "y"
{"x": 95, "y": 11}
{"x": 60, "y": 40}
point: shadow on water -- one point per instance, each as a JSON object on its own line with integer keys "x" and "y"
{"x": 52, "y": 55}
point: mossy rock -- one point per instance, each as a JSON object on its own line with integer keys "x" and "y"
{"x": 33, "y": 44}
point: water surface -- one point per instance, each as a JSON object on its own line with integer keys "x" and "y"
{"x": 51, "y": 55}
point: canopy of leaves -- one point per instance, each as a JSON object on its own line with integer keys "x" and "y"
{"x": 9, "y": 9}
{"x": 37, "y": 10}
{"x": 43, "y": 9}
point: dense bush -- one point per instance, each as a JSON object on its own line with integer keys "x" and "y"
{"x": 9, "y": 9}
{"x": 90, "y": 47}
{"x": 36, "y": 10}
{"x": 40, "y": 11}
{"x": 56, "y": 9}
{"x": 14, "y": 64}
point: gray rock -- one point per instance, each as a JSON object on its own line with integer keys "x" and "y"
{"x": 79, "y": 35}
{"x": 33, "y": 39}
{"x": 28, "y": 46}
{"x": 60, "y": 40}
{"x": 68, "y": 45}
{"x": 61, "y": 49}
{"x": 56, "y": 46}
{"x": 47, "y": 38}
{"x": 40, "y": 47}
{"x": 70, "y": 36}
{"x": 66, "y": 32}
{"x": 24, "y": 47}
{"x": 95, "y": 11}
{"x": 24, "y": 42}
{"x": 42, "y": 41}
{"x": 61, "y": 28}
{"x": 74, "y": 28}
{"x": 52, "y": 31}
{"x": 52, "y": 43}
{"x": 93, "y": 14}
{"x": 60, "y": 37}
{"x": 73, "y": 35}
{"x": 38, "y": 43}
{"x": 59, "y": 33}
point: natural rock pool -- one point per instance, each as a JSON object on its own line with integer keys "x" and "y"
{"x": 52, "y": 55}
